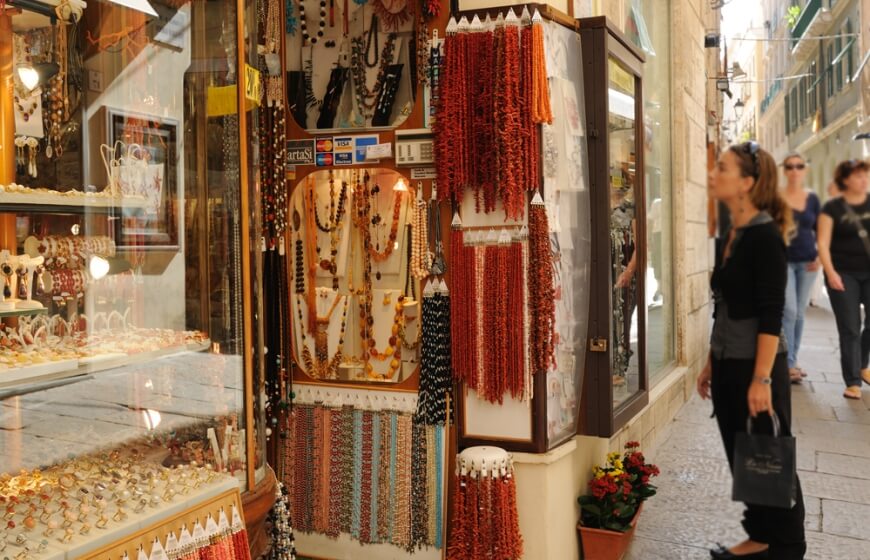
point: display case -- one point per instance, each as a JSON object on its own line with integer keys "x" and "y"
{"x": 545, "y": 412}
{"x": 616, "y": 385}
{"x": 130, "y": 359}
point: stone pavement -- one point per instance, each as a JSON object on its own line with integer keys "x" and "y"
{"x": 693, "y": 509}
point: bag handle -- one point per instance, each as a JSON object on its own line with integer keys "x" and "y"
{"x": 862, "y": 231}
{"x": 773, "y": 418}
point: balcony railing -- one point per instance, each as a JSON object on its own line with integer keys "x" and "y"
{"x": 803, "y": 22}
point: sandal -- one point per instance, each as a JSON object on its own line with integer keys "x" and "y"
{"x": 865, "y": 375}
{"x": 794, "y": 375}
{"x": 853, "y": 392}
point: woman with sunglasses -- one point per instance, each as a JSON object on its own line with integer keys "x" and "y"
{"x": 844, "y": 249}
{"x": 803, "y": 263}
{"x": 747, "y": 370}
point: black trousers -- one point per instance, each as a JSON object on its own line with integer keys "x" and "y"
{"x": 854, "y": 342}
{"x": 782, "y": 529}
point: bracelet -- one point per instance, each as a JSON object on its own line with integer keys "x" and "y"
{"x": 763, "y": 379}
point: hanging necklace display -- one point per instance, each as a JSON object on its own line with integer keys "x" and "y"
{"x": 439, "y": 263}
{"x": 387, "y": 97}
{"x": 299, "y": 270}
{"x": 58, "y": 104}
{"x": 321, "y": 366}
{"x": 380, "y": 255}
{"x": 366, "y": 98}
{"x": 334, "y": 90}
{"x": 373, "y": 39}
{"x": 420, "y": 261}
{"x": 303, "y": 23}
{"x": 392, "y": 12}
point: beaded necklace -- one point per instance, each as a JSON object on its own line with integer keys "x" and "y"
{"x": 366, "y": 483}
{"x": 356, "y": 504}
{"x": 376, "y": 471}
{"x": 321, "y": 366}
{"x": 381, "y": 531}
{"x": 542, "y": 304}
{"x": 366, "y": 98}
{"x": 439, "y": 486}
{"x": 420, "y": 256}
{"x": 337, "y": 484}
{"x": 381, "y": 255}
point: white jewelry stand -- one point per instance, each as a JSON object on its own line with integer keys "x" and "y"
{"x": 30, "y": 263}
{"x": 11, "y": 260}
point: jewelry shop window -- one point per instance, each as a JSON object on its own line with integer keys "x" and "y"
{"x": 123, "y": 343}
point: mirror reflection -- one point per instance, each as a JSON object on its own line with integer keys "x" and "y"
{"x": 354, "y": 300}
{"x": 623, "y": 232}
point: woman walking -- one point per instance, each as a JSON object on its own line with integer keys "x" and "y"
{"x": 803, "y": 263}
{"x": 844, "y": 249}
{"x": 747, "y": 370}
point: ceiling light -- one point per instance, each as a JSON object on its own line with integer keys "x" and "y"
{"x": 98, "y": 267}
{"x": 400, "y": 185}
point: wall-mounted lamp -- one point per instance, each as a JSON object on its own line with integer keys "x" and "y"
{"x": 400, "y": 185}
{"x": 34, "y": 75}
{"x": 738, "y": 108}
{"x": 100, "y": 267}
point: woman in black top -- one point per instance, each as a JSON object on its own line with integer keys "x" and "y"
{"x": 845, "y": 258}
{"x": 747, "y": 370}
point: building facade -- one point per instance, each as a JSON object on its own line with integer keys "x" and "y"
{"x": 814, "y": 98}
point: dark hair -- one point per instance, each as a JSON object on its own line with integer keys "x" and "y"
{"x": 760, "y": 165}
{"x": 846, "y": 168}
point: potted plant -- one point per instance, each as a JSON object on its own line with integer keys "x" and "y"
{"x": 608, "y": 514}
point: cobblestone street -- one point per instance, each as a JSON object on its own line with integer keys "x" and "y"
{"x": 693, "y": 509}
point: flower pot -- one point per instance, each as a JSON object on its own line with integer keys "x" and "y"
{"x": 601, "y": 544}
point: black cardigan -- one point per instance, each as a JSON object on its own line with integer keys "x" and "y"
{"x": 752, "y": 281}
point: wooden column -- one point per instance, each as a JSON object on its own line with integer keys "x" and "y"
{"x": 7, "y": 126}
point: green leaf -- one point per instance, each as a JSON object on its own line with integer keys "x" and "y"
{"x": 592, "y": 508}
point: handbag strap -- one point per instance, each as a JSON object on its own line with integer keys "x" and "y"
{"x": 862, "y": 231}
{"x": 773, "y": 418}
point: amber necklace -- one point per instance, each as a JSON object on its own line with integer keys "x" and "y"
{"x": 321, "y": 366}
{"x": 378, "y": 254}
{"x": 393, "y": 350}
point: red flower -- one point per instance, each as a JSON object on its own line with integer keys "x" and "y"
{"x": 632, "y": 445}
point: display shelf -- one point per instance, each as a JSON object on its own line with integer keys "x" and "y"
{"x": 53, "y": 371}
{"x": 207, "y": 500}
{"x": 38, "y": 202}
{"x": 22, "y": 312}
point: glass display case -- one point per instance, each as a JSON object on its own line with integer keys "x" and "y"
{"x": 617, "y": 381}
{"x": 129, "y": 350}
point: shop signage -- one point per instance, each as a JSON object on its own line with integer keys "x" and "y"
{"x": 300, "y": 152}
{"x": 423, "y": 173}
{"x": 360, "y": 144}
{"x": 325, "y": 159}
{"x": 252, "y": 84}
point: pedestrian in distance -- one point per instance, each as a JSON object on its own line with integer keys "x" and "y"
{"x": 844, "y": 249}
{"x": 803, "y": 262}
{"x": 747, "y": 370}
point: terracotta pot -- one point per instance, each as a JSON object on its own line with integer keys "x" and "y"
{"x": 601, "y": 544}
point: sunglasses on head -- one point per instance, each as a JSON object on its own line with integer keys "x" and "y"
{"x": 793, "y": 166}
{"x": 751, "y": 148}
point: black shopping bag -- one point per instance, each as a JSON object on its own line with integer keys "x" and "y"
{"x": 764, "y": 467}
